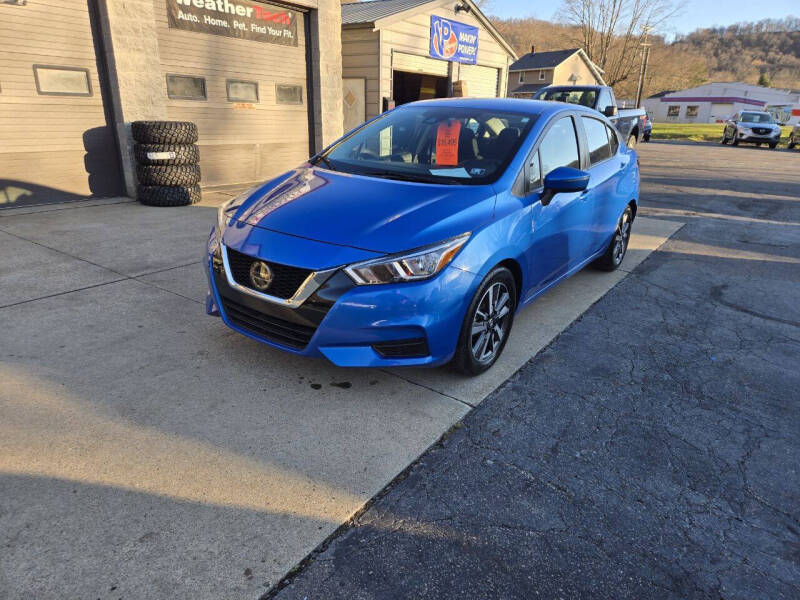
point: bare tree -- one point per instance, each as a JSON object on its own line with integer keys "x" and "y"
{"x": 611, "y": 31}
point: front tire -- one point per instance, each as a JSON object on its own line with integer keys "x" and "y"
{"x": 615, "y": 253}
{"x": 632, "y": 140}
{"x": 790, "y": 145}
{"x": 724, "y": 139}
{"x": 487, "y": 324}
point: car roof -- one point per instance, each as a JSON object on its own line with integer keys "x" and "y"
{"x": 518, "y": 105}
{"x": 573, "y": 87}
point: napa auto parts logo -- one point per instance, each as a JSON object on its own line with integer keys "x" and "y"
{"x": 454, "y": 41}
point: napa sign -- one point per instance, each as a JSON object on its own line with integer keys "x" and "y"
{"x": 454, "y": 41}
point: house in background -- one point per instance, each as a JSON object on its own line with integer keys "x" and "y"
{"x": 558, "y": 67}
{"x": 715, "y": 102}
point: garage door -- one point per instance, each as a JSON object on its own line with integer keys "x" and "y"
{"x": 481, "y": 81}
{"x": 247, "y": 95}
{"x": 55, "y": 142}
{"x": 411, "y": 63}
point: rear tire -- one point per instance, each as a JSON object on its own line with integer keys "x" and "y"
{"x": 487, "y": 324}
{"x": 179, "y": 195}
{"x": 164, "y": 132}
{"x": 179, "y": 154}
{"x": 735, "y": 141}
{"x": 157, "y": 175}
{"x": 724, "y": 140}
{"x": 632, "y": 140}
{"x": 790, "y": 145}
{"x": 615, "y": 253}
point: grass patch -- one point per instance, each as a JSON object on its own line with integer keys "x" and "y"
{"x": 696, "y": 132}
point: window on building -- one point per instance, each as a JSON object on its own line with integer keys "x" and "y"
{"x": 62, "y": 81}
{"x": 522, "y": 76}
{"x": 673, "y": 111}
{"x": 241, "y": 91}
{"x": 289, "y": 94}
{"x": 691, "y": 111}
{"x": 541, "y": 75}
{"x": 186, "y": 87}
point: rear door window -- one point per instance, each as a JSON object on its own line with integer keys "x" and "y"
{"x": 597, "y": 140}
{"x": 559, "y": 147}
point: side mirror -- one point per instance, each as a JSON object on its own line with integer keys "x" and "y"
{"x": 563, "y": 180}
{"x": 610, "y": 111}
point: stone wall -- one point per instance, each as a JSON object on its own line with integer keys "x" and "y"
{"x": 138, "y": 91}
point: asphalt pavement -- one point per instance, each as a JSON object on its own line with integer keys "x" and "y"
{"x": 651, "y": 450}
{"x": 147, "y": 451}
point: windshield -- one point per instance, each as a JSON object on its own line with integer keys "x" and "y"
{"x": 438, "y": 144}
{"x": 754, "y": 117}
{"x": 583, "y": 97}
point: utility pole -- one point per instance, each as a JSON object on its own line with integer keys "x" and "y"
{"x": 643, "y": 69}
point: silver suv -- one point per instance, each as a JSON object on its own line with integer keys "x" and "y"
{"x": 752, "y": 127}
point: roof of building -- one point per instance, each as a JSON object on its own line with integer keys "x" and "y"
{"x": 542, "y": 60}
{"x": 372, "y": 10}
{"x": 662, "y": 94}
{"x": 528, "y": 88}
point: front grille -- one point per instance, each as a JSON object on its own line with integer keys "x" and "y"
{"x": 286, "y": 280}
{"x": 414, "y": 348}
{"x": 270, "y": 328}
{"x": 761, "y": 130}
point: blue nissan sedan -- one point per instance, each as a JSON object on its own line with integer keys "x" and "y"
{"x": 414, "y": 239}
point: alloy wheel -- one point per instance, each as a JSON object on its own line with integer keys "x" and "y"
{"x": 490, "y": 323}
{"x": 621, "y": 237}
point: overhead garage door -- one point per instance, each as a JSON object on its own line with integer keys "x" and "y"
{"x": 411, "y": 63}
{"x": 251, "y": 105}
{"x": 481, "y": 81}
{"x": 55, "y": 142}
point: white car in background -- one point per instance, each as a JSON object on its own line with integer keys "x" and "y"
{"x": 752, "y": 127}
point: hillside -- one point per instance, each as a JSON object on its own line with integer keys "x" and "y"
{"x": 739, "y": 52}
{"x": 744, "y": 51}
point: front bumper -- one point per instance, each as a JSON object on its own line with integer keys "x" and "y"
{"x": 388, "y": 325}
{"x": 756, "y": 138}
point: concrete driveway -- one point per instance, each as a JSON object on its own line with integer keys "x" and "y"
{"x": 147, "y": 451}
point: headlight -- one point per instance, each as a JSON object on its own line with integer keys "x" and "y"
{"x": 222, "y": 218}
{"x": 409, "y": 266}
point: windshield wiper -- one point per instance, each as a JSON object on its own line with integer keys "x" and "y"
{"x": 410, "y": 177}
{"x": 325, "y": 159}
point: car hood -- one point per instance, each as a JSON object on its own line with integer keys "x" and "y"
{"x": 376, "y": 214}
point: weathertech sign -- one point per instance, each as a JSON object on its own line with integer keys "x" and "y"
{"x": 235, "y": 18}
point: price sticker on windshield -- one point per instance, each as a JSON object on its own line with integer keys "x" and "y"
{"x": 447, "y": 143}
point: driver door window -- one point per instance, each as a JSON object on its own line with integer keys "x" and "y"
{"x": 559, "y": 148}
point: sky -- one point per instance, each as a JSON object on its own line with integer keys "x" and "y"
{"x": 695, "y": 15}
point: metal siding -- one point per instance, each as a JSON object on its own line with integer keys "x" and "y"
{"x": 482, "y": 82}
{"x": 52, "y": 148}
{"x": 239, "y": 145}
{"x": 418, "y": 64}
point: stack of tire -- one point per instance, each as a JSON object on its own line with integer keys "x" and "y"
{"x": 166, "y": 162}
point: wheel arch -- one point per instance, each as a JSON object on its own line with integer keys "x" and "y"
{"x": 516, "y": 270}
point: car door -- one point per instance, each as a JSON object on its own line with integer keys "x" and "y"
{"x": 605, "y": 166}
{"x": 556, "y": 229}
